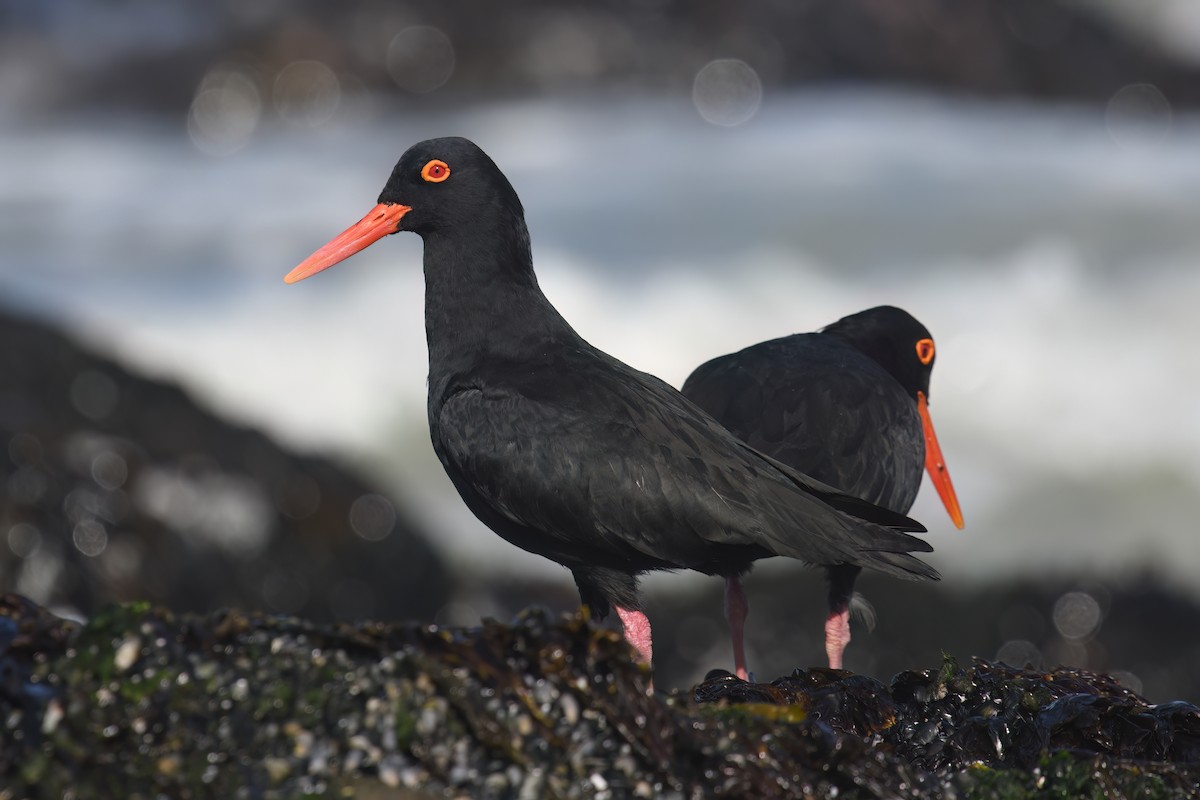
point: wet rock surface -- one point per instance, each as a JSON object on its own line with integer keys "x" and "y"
{"x": 117, "y": 487}
{"x": 994, "y": 715}
{"x": 141, "y": 702}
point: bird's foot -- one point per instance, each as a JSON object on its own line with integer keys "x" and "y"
{"x": 637, "y": 632}
{"x": 837, "y": 636}
{"x": 636, "y": 626}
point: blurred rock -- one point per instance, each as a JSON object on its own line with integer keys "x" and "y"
{"x": 1137, "y": 628}
{"x": 155, "y": 56}
{"x": 142, "y": 703}
{"x": 114, "y": 487}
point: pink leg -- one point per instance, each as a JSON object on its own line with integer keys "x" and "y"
{"x": 837, "y": 635}
{"x": 637, "y": 633}
{"x": 736, "y": 609}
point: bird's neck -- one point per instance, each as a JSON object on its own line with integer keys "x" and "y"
{"x": 483, "y": 303}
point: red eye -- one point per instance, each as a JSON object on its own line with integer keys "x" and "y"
{"x": 925, "y": 351}
{"x": 435, "y": 171}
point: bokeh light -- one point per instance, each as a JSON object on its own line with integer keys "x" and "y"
{"x": 1076, "y": 615}
{"x": 1138, "y": 116}
{"x": 90, "y": 537}
{"x": 1067, "y": 653}
{"x": 420, "y": 59}
{"x": 372, "y": 517}
{"x": 1019, "y": 653}
{"x": 306, "y": 93}
{"x": 109, "y": 470}
{"x": 24, "y": 539}
{"x": 727, "y": 92}
{"x": 224, "y": 113}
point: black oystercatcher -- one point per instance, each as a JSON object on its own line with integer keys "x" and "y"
{"x": 565, "y": 451}
{"x": 847, "y": 406}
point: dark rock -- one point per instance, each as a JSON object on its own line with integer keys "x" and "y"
{"x": 140, "y": 702}
{"x": 116, "y": 487}
{"x": 994, "y": 715}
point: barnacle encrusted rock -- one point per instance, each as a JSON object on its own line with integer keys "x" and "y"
{"x": 141, "y": 702}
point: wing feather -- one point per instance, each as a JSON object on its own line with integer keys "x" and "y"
{"x": 625, "y": 465}
{"x": 823, "y": 408}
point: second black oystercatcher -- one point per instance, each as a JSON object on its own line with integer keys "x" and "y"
{"x": 567, "y": 452}
{"x": 848, "y": 406}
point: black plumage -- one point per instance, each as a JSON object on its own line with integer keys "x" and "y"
{"x": 844, "y": 406}
{"x": 565, "y": 451}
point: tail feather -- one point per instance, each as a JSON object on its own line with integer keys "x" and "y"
{"x": 845, "y": 503}
{"x": 876, "y": 538}
{"x": 902, "y": 565}
{"x": 857, "y": 507}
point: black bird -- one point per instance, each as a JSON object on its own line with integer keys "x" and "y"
{"x": 565, "y": 451}
{"x": 848, "y": 406}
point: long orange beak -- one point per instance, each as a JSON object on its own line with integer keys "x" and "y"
{"x": 935, "y": 465}
{"x": 378, "y": 223}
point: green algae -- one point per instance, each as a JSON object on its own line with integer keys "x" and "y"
{"x": 1067, "y": 776}
{"x": 764, "y": 712}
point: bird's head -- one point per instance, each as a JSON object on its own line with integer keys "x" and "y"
{"x": 900, "y": 344}
{"x": 896, "y": 341}
{"x": 438, "y": 186}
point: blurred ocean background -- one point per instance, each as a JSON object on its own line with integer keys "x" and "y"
{"x": 161, "y": 172}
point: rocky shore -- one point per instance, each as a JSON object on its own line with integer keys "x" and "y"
{"x": 139, "y": 702}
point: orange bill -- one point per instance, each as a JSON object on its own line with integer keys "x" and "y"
{"x": 935, "y": 465}
{"x": 378, "y": 223}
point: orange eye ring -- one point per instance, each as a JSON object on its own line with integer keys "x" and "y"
{"x": 925, "y": 351}
{"x": 435, "y": 171}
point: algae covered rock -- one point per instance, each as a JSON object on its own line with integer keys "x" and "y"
{"x": 1003, "y": 731}
{"x": 139, "y": 702}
